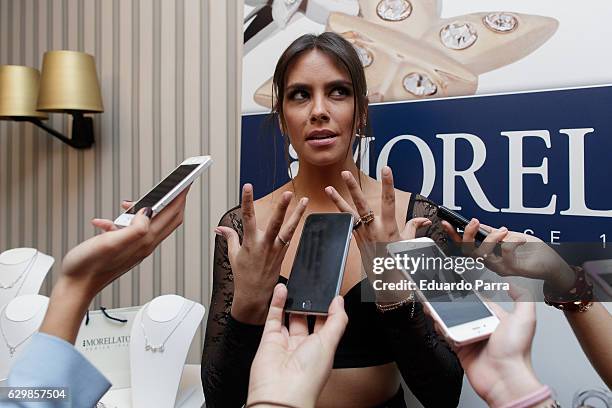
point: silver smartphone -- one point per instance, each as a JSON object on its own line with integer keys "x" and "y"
{"x": 167, "y": 189}
{"x": 461, "y": 313}
{"x": 318, "y": 267}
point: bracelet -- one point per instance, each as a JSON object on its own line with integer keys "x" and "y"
{"x": 578, "y": 299}
{"x": 273, "y": 403}
{"x": 531, "y": 399}
{"x": 392, "y": 306}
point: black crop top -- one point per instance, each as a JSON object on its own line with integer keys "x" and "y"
{"x": 427, "y": 364}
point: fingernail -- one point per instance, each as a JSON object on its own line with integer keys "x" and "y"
{"x": 304, "y": 200}
{"x": 386, "y": 171}
{"x": 127, "y": 200}
{"x": 148, "y": 211}
{"x": 328, "y": 190}
{"x": 218, "y": 232}
{"x": 472, "y": 221}
{"x": 503, "y": 229}
{"x": 341, "y": 300}
{"x": 346, "y": 175}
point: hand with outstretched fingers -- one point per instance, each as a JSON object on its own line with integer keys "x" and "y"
{"x": 256, "y": 263}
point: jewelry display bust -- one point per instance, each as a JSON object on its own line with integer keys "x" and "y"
{"x": 22, "y": 272}
{"x": 19, "y": 320}
{"x": 161, "y": 335}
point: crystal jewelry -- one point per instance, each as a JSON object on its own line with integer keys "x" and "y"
{"x": 282, "y": 241}
{"x": 363, "y": 220}
{"x": 458, "y": 35}
{"x": 26, "y": 270}
{"x": 394, "y": 10}
{"x": 365, "y": 56}
{"x": 419, "y": 84}
{"x": 12, "y": 348}
{"x": 161, "y": 346}
{"x": 500, "y": 22}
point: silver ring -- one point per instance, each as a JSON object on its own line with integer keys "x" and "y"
{"x": 285, "y": 243}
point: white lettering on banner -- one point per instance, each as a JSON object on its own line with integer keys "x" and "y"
{"x": 516, "y": 171}
{"x": 427, "y": 158}
{"x": 450, "y": 172}
{"x": 554, "y": 237}
{"x": 576, "y": 175}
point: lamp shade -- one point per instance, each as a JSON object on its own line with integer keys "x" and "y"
{"x": 69, "y": 83}
{"x": 18, "y": 92}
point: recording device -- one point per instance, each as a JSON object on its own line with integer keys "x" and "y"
{"x": 458, "y": 221}
{"x": 318, "y": 267}
{"x": 601, "y": 272}
{"x": 461, "y": 313}
{"x": 167, "y": 189}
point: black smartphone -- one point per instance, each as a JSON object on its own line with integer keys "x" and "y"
{"x": 318, "y": 267}
{"x": 458, "y": 221}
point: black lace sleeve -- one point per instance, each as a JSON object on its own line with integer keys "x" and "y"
{"x": 230, "y": 346}
{"x": 428, "y": 365}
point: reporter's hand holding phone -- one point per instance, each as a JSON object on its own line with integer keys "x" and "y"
{"x": 536, "y": 260}
{"x": 499, "y": 369}
{"x": 256, "y": 263}
{"x": 96, "y": 262}
{"x": 291, "y": 367}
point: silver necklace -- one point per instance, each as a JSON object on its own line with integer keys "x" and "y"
{"x": 12, "y": 348}
{"x": 25, "y": 271}
{"x": 162, "y": 346}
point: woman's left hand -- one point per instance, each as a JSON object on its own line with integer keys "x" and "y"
{"x": 382, "y": 228}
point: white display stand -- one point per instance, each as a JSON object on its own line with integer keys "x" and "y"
{"x": 161, "y": 335}
{"x": 190, "y": 393}
{"x": 19, "y": 320}
{"x": 22, "y": 272}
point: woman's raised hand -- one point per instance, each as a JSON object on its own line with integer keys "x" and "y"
{"x": 371, "y": 229}
{"x": 257, "y": 261}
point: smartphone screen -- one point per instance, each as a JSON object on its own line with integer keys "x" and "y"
{"x": 454, "y": 307}
{"x": 163, "y": 188}
{"x": 318, "y": 266}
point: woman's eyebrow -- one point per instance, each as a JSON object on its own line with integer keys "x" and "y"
{"x": 297, "y": 85}
{"x": 339, "y": 82}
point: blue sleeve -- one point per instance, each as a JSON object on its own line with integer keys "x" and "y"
{"x": 50, "y": 361}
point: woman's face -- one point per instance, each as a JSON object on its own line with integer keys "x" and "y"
{"x": 318, "y": 109}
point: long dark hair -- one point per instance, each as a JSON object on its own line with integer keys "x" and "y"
{"x": 342, "y": 52}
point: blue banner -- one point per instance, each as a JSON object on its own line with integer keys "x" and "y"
{"x": 538, "y": 162}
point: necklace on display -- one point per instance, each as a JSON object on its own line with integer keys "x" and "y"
{"x": 23, "y": 273}
{"x": 162, "y": 346}
{"x": 12, "y": 348}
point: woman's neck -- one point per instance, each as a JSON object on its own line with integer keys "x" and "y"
{"x": 312, "y": 180}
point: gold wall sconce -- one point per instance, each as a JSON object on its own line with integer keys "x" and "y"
{"x": 68, "y": 84}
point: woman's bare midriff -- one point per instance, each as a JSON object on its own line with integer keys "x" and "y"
{"x": 360, "y": 387}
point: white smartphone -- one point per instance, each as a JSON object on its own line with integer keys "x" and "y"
{"x": 167, "y": 189}
{"x": 601, "y": 272}
{"x": 462, "y": 314}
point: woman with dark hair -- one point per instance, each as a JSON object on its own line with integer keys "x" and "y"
{"x": 321, "y": 104}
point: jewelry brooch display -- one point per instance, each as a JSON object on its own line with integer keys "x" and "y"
{"x": 409, "y": 52}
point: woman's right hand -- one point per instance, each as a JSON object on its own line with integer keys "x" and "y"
{"x": 256, "y": 263}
